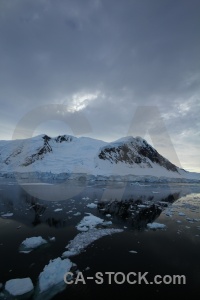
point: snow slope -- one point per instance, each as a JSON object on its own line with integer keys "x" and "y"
{"x": 71, "y": 155}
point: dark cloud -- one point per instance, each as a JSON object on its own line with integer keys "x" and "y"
{"x": 127, "y": 53}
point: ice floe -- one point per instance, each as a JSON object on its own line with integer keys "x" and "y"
{"x": 85, "y": 198}
{"x": 84, "y": 239}
{"x": 7, "y": 215}
{"x": 141, "y": 206}
{"x": 77, "y": 214}
{"x": 19, "y": 286}
{"x": 31, "y": 243}
{"x": 89, "y": 222}
{"x": 91, "y": 205}
{"x": 53, "y": 273}
{"x": 58, "y": 209}
{"x": 52, "y": 239}
{"x": 155, "y": 225}
{"x": 181, "y": 214}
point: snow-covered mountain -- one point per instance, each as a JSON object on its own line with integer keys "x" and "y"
{"x": 68, "y": 154}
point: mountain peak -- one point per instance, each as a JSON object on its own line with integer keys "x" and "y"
{"x": 126, "y": 139}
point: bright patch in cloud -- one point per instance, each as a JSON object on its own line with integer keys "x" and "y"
{"x": 81, "y": 100}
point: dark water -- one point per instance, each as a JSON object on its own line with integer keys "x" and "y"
{"x": 173, "y": 251}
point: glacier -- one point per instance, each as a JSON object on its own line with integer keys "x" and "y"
{"x": 70, "y": 158}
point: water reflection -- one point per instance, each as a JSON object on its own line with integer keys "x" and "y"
{"x": 139, "y": 205}
{"x": 52, "y": 222}
{"x": 136, "y": 212}
{"x": 38, "y": 210}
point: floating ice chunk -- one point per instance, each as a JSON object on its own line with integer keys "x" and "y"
{"x": 132, "y": 251}
{"x": 52, "y": 239}
{"x": 89, "y": 222}
{"x": 32, "y": 243}
{"x": 53, "y": 273}
{"x": 77, "y": 214}
{"x": 108, "y": 215}
{"x": 7, "y": 215}
{"x": 156, "y": 225}
{"x": 91, "y": 205}
{"x": 58, "y": 209}
{"x": 141, "y": 205}
{"x": 181, "y": 214}
{"x": 196, "y": 220}
{"x": 69, "y": 253}
{"x": 107, "y": 223}
{"x": 178, "y": 221}
{"x": 84, "y": 239}
{"x": 19, "y": 286}
{"x": 85, "y": 198}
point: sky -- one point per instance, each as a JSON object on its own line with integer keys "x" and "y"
{"x": 127, "y": 67}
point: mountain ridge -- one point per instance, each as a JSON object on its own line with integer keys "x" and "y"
{"x": 70, "y": 154}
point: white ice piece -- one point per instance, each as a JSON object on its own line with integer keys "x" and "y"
{"x": 58, "y": 209}
{"x": 91, "y": 205}
{"x": 53, "y": 273}
{"x": 156, "y": 225}
{"x": 181, "y": 214}
{"x": 84, "y": 239}
{"x": 7, "y": 215}
{"x": 19, "y": 286}
{"x": 33, "y": 242}
{"x": 89, "y": 222}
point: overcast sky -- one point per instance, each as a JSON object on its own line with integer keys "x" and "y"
{"x": 112, "y": 62}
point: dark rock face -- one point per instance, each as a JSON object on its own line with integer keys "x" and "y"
{"x": 155, "y": 157}
{"x": 135, "y": 153}
{"x": 46, "y": 148}
{"x": 46, "y": 138}
{"x": 63, "y": 138}
{"x": 41, "y": 152}
{"x": 121, "y": 154}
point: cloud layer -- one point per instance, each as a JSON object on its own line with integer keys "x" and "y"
{"x": 105, "y": 59}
